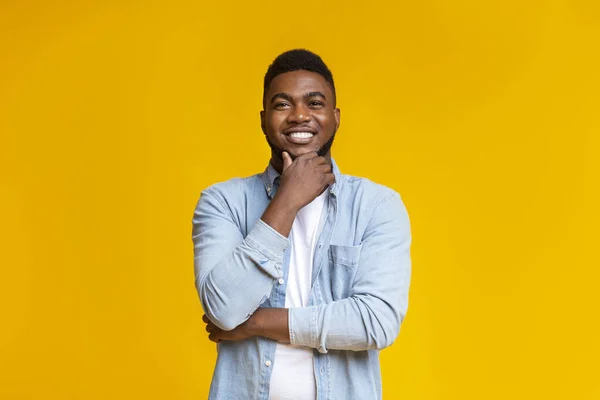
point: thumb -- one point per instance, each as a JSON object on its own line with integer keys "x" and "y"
{"x": 287, "y": 160}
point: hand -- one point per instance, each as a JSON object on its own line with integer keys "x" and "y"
{"x": 305, "y": 178}
{"x": 302, "y": 180}
{"x": 216, "y": 334}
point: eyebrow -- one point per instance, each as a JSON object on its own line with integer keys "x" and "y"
{"x": 287, "y": 97}
{"x": 315, "y": 94}
{"x": 284, "y": 96}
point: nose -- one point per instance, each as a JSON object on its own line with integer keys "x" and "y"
{"x": 299, "y": 115}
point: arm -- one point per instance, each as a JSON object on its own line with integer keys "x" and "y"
{"x": 370, "y": 318}
{"x": 235, "y": 275}
{"x": 267, "y": 322}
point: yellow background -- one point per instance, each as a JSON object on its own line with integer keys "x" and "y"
{"x": 484, "y": 115}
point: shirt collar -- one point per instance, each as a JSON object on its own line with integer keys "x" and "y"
{"x": 271, "y": 179}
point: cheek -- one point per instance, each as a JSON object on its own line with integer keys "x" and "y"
{"x": 326, "y": 121}
{"x": 274, "y": 123}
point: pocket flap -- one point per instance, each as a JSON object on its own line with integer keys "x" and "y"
{"x": 347, "y": 255}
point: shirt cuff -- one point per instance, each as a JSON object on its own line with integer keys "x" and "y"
{"x": 268, "y": 241}
{"x": 303, "y": 326}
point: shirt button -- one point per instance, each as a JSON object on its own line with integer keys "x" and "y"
{"x": 281, "y": 281}
{"x": 268, "y": 363}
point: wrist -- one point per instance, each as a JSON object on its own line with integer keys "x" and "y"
{"x": 286, "y": 202}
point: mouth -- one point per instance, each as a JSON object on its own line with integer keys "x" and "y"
{"x": 299, "y": 136}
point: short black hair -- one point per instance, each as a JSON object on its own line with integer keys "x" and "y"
{"x": 294, "y": 60}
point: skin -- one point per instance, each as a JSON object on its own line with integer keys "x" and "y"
{"x": 297, "y": 100}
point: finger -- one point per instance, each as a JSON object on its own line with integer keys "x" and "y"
{"x": 287, "y": 160}
{"x": 320, "y": 160}
{"x": 205, "y": 319}
{"x": 216, "y": 336}
{"x": 324, "y": 168}
{"x": 329, "y": 179}
{"x": 210, "y": 327}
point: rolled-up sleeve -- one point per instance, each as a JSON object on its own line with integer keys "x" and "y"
{"x": 234, "y": 275}
{"x": 371, "y": 316}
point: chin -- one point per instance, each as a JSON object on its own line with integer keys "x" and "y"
{"x": 295, "y": 154}
{"x": 305, "y": 151}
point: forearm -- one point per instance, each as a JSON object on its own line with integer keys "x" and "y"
{"x": 356, "y": 323}
{"x": 371, "y": 315}
{"x": 271, "y": 323}
{"x": 348, "y": 324}
{"x": 235, "y": 274}
{"x": 280, "y": 214}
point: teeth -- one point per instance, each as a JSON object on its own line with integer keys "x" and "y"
{"x": 301, "y": 135}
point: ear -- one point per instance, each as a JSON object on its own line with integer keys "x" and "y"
{"x": 336, "y": 114}
{"x": 262, "y": 121}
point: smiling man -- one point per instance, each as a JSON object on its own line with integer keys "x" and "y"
{"x": 303, "y": 272}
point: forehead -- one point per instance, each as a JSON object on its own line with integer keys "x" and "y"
{"x": 300, "y": 82}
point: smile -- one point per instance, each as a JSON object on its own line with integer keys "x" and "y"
{"x": 299, "y": 137}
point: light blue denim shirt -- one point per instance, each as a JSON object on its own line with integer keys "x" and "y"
{"x": 360, "y": 283}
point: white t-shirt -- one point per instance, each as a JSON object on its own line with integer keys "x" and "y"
{"x": 293, "y": 376}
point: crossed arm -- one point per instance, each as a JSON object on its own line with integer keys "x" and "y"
{"x": 235, "y": 275}
{"x": 271, "y": 323}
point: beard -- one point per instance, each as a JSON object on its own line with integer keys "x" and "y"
{"x": 321, "y": 151}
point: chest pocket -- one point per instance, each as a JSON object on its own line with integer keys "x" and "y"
{"x": 343, "y": 264}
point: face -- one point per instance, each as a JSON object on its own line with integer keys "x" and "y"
{"x": 299, "y": 115}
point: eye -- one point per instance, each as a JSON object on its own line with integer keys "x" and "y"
{"x": 316, "y": 104}
{"x": 281, "y": 105}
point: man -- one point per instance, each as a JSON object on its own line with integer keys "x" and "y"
{"x": 303, "y": 272}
